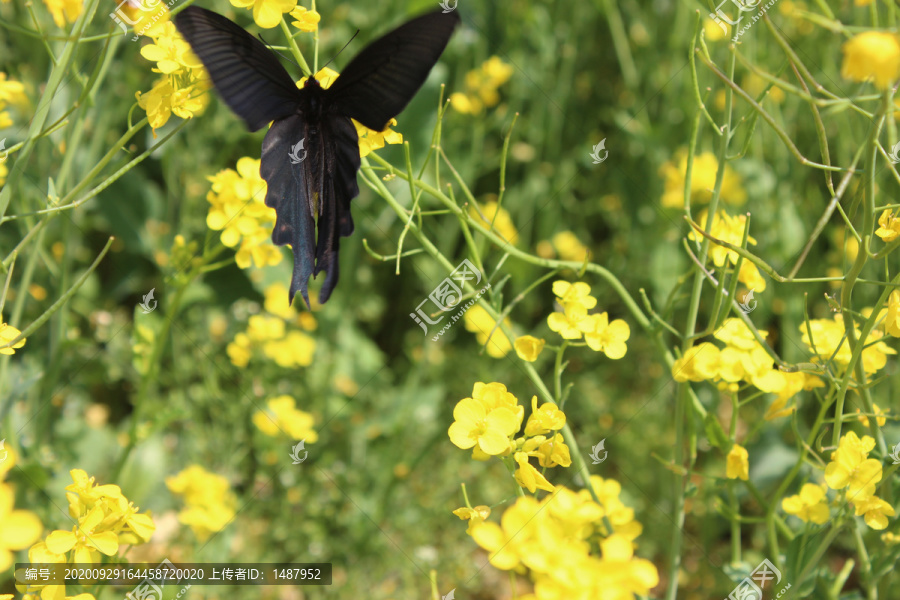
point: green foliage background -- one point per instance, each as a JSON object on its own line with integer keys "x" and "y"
{"x": 375, "y": 496}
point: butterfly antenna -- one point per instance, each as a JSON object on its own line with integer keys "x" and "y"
{"x": 339, "y": 51}
{"x": 277, "y": 52}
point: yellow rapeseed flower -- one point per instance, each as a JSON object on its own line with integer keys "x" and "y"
{"x": 737, "y": 465}
{"x": 282, "y": 416}
{"x": 529, "y": 477}
{"x": 478, "y": 321}
{"x": 306, "y": 20}
{"x": 64, "y": 11}
{"x": 7, "y": 334}
{"x": 851, "y": 468}
{"x": 606, "y": 337}
{"x": 881, "y": 420}
{"x": 529, "y": 347}
{"x": 490, "y": 429}
{"x": 872, "y": 55}
{"x": 495, "y": 218}
{"x": 876, "y": 512}
{"x": 267, "y": 13}
{"x": 545, "y": 419}
{"x": 888, "y": 226}
{"x": 209, "y": 502}
{"x": 18, "y": 528}
{"x": 703, "y": 181}
{"x": 809, "y": 505}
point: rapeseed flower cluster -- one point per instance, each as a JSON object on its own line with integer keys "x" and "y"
{"x": 872, "y": 56}
{"x": 267, "y": 13}
{"x": 10, "y": 92}
{"x": 18, "y": 528}
{"x": 829, "y": 342}
{"x": 703, "y": 181}
{"x": 210, "y": 503}
{"x": 494, "y": 217}
{"x": 852, "y": 473}
{"x": 283, "y": 416}
{"x": 478, "y": 321}
{"x": 851, "y": 468}
{"x": 573, "y": 322}
{"x": 809, "y": 505}
{"x": 742, "y": 359}
{"x": 276, "y": 333}
{"x": 104, "y": 520}
{"x": 64, "y": 11}
{"x": 238, "y": 210}
{"x": 488, "y": 421}
{"x": 482, "y": 87}
{"x": 555, "y": 540}
{"x": 182, "y": 88}
{"x": 731, "y": 229}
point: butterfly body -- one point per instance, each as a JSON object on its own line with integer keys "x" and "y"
{"x": 311, "y": 195}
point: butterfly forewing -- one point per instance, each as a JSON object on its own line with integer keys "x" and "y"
{"x": 381, "y": 80}
{"x": 246, "y": 73}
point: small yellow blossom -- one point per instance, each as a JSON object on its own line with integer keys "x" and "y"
{"x": 64, "y": 11}
{"x": 851, "y": 468}
{"x": 809, "y": 505}
{"x": 703, "y": 181}
{"x": 606, "y": 337}
{"x": 872, "y": 55}
{"x": 475, "y": 516}
{"x": 370, "y": 140}
{"x": 737, "y": 465}
{"x": 306, "y": 20}
{"x": 7, "y": 334}
{"x": 529, "y": 347}
{"x": 545, "y": 419}
{"x": 879, "y": 418}
{"x": 529, "y": 477}
{"x": 209, "y": 502}
{"x": 482, "y": 87}
{"x": 267, "y": 13}
{"x": 282, "y": 416}
{"x": 876, "y": 512}
{"x": 888, "y": 226}
{"x": 18, "y": 528}
{"x": 892, "y": 318}
{"x": 478, "y": 321}
{"x": 489, "y": 429}
{"x": 569, "y": 247}
{"x": 495, "y": 218}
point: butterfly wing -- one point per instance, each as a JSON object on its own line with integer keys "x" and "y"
{"x": 381, "y": 80}
{"x": 312, "y": 194}
{"x": 246, "y": 73}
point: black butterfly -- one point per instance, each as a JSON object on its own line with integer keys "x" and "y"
{"x": 317, "y": 188}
